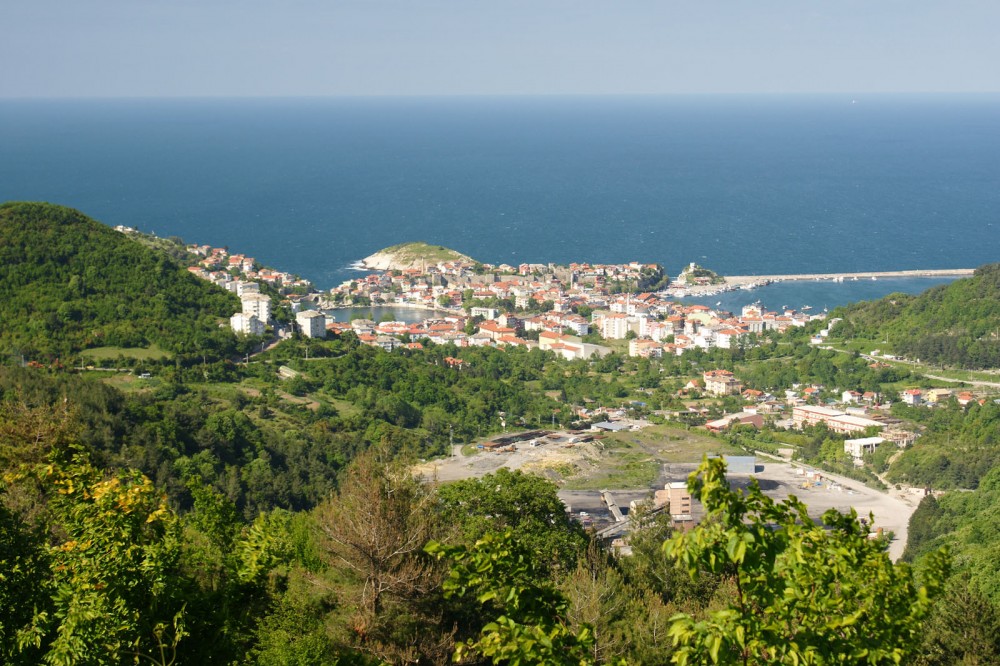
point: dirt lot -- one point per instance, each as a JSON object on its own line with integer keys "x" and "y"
{"x": 562, "y": 460}
{"x": 555, "y": 457}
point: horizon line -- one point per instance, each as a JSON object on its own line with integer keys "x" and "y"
{"x": 853, "y": 95}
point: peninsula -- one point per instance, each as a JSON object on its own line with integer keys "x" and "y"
{"x": 406, "y": 256}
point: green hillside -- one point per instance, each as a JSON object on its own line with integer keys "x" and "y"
{"x": 955, "y": 324}
{"x": 69, "y": 283}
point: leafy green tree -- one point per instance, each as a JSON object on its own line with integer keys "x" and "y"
{"x": 113, "y": 570}
{"x": 806, "y": 593}
{"x": 524, "y": 503}
{"x": 529, "y": 616}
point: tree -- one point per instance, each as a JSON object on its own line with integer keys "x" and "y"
{"x": 530, "y": 624}
{"x": 113, "y": 571}
{"x": 522, "y": 502}
{"x": 964, "y": 628}
{"x": 375, "y": 528}
{"x": 805, "y": 593}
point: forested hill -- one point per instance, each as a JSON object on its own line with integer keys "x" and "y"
{"x": 955, "y": 324}
{"x": 69, "y": 283}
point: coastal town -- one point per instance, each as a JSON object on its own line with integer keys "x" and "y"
{"x": 572, "y": 311}
{"x": 541, "y": 306}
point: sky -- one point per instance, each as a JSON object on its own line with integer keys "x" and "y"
{"x": 272, "y": 48}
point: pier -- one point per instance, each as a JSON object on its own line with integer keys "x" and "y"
{"x": 947, "y": 272}
{"x": 734, "y": 282}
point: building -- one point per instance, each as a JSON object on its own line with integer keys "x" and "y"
{"x": 835, "y": 420}
{"x": 312, "y": 323}
{"x": 741, "y": 418}
{"x": 258, "y": 305}
{"x": 857, "y": 448}
{"x": 246, "y": 324}
{"x": 722, "y": 382}
{"x": 678, "y": 500}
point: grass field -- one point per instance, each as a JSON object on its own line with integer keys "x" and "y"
{"x": 620, "y": 469}
{"x": 672, "y": 443}
{"x": 98, "y": 354}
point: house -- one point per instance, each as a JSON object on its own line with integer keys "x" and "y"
{"x": 645, "y": 348}
{"x": 721, "y": 382}
{"x": 850, "y": 397}
{"x": 495, "y": 331}
{"x": 912, "y": 396}
{"x": 937, "y": 395}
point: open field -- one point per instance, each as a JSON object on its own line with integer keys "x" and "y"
{"x": 104, "y": 353}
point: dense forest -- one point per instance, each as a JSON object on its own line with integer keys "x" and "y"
{"x": 69, "y": 283}
{"x": 264, "y": 512}
{"x": 956, "y": 324}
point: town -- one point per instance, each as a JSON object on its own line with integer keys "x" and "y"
{"x": 569, "y": 310}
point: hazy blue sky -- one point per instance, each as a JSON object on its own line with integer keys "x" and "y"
{"x": 57, "y": 48}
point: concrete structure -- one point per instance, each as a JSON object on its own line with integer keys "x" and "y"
{"x": 245, "y": 288}
{"x": 857, "y": 448}
{"x": 312, "y": 323}
{"x": 258, "y": 305}
{"x": 246, "y": 324}
{"x": 835, "y": 420}
{"x": 679, "y": 500}
{"x": 740, "y": 465}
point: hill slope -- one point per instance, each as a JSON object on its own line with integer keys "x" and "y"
{"x": 955, "y": 324}
{"x": 69, "y": 283}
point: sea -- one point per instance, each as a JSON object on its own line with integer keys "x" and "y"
{"x": 741, "y": 184}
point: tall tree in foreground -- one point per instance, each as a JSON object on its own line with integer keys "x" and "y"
{"x": 806, "y": 593}
{"x": 375, "y": 529}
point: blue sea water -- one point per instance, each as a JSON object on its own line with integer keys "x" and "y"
{"x": 741, "y": 184}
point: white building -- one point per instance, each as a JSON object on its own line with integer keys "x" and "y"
{"x": 617, "y": 325}
{"x": 246, "y": 324}
{"x": 258, "y": 305}
{"x": 245, "y": 288}
{"x": 857, "y": 448}
{"x": 311, "y": 323}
